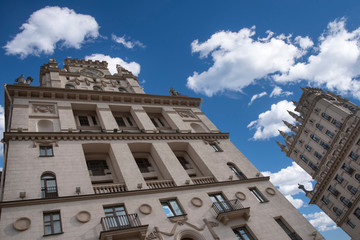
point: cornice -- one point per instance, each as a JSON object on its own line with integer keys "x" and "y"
{"x": 74, "y": 95}
{"x": 79, "y": 136}
{"x": 41, "y": 201}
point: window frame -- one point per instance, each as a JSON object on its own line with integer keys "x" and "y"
{"x": 167, "y": 203}
{"x": 52, "y": 221}
{"x": 333, "y": 191}
{"x": 354, "y": 156}
{"x": 246, "y": 232}
{"x": 46, "y": 151}
{"x": 236, "y": 171}
{"x": 128, "y": 120}
{"x": 92, "y": 118}
{"x": 330, "y": 133}
{"x": 348, "y": 169}
{"x": 159, "y": 121}
{"x": 215, "y": 146}
{"x": 315, "y": 138}
{"x": 258, "y": 195}
{"x": 44, "y": 179}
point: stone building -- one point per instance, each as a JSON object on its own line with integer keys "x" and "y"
{"x": 326, "y": 144}
{"x": 89, "y": 155}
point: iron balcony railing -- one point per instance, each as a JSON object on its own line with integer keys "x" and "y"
{"x": 49, "y": 192}
{"x": 227, "y": 206}
{"x": 120, "y": 222}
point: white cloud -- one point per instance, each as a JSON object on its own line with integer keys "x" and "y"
{"x": 256, "y": 96}
{"x": 269, "y": 122}
{"x": 304, "y": 42}
{"x": 2, "y": 127}
{"x": 336, "y": 64}
{"x": 321, "y": 221}
{"x": 51, "y": 25}
{"x": 277, "y": 92}
{"x": 127, "y": 44}
{"x": 239, "y": 59}
{"x": 133, "y": 67}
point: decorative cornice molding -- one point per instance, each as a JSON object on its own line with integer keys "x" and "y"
{"x": 76, "y": 198}
{"x": 70, "y": 136}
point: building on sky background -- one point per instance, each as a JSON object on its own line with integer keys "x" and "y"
{"x": 247, "y": 61}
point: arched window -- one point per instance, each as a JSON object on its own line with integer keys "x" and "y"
{"x": 97, "y": 88}
{"x": 69, "y": 86}
{"x": 122, "y": 89}
{"x": 48, "y": 186}
{"x": 236, "y": 171}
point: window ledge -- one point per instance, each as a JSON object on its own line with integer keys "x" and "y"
{"x": 47, "y": 235}
{"x": 178, "y": 218}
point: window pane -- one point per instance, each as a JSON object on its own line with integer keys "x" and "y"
{"x": 176, "y": 207}
{"x": 47, "y": 230}
{"x": 120, "y": 122}
{"x": 42, "y": 151}
{"x": 57, "y": 227}
{"x": 56, "y": 216}
{"x": 84, "y": 121}
{"x": 167, "y": 209}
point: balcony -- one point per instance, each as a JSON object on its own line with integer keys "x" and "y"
{"x": 230, "y": 209}
{"x": 122, "y": 227}
{"x": 49, "y": 192}
{"x": 154, "y": 184}
{"x": 109, "y": 188}
{"x": 203, "y": 180}
{"x": 100, "y": 175}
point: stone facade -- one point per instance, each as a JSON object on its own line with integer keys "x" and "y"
{"x": 326, "y": 144}
{"x": 89, "y": 155}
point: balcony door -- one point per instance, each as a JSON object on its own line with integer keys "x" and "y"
{"x": 220, "y": 203}
{"x": 116, "y": 217}
{"x": 48, "y": 186}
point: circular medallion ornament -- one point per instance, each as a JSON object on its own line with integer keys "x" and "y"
{"x": 83, "y": 216}
{"x": 270, "y": 191}
{"x": 145, "y": 209}
{"x": 91, "y": 72}
{"x": 197, "y": 202}
{"x": 22, "y": 224}
{"x": 240, "y": 195}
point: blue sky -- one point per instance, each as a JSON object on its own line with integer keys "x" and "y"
{"x": 246, "y": 59}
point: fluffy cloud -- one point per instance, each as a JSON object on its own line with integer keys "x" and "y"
{"x": 321, "y": 221}
{"x": 277, "y": 92}
{"x": 269, "y": 122}
{"x": 240, "y": 59}
{"x": 256, "y": 96}
{"x": 127, "y": 44}
{"x": 287, "y": 180}
{"x": 133, "y": 67}
{"x": 2, "y": 127}
{"x": 51, "y": 25}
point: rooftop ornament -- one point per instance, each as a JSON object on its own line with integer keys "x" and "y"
{"x": 22, "y": 81}
{"x": 173, "y": 92}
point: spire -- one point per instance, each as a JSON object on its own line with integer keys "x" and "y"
{"x": 295, "y": 116}
{"x": 295, "y": 103}
{"x": 282, "y": 146}
{"x": 291, "y": 127}
{"x": 287, "y": 137}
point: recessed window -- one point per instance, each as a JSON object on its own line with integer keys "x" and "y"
{"x": 236, "y": 171}
{"x": 46, "y": 151}
{"x": 171, "y": 208}
{"x": 287, "y": 230}
{"x": 98, "y": 167}
{"x": 52, "y": 223}
{"x": 336, "y": 123}
{"x": 351, "y": 224}
{"x": 97, "y": 88}
{"x": 307, "y": 147}
{"x": 48, "y": 186}
{"x": 318, "y": 155}
{"x": 158, "y": 121}
{"x": 302, "y": 157}
{"x": 315, "y": 138}
{"x": 325, "y": 200}
{"x": 326, "y": 116}
{"x": 215, "y": 146}
{"x": 354, "y": 156}
{"x": 313, "y": 166}
{"x": 339, "y": 178}
{"x": 357, "y": 213}
{"x": 325, "y": 145}
{"x": 125, "y": 120}
{"x": 258, "y": 195}
{"x": 345, "y": 201}
{"x": 333, "y": 191}
{"x": 243, "y": 234}
{"x": 87, "y": 120}
{"x": 123, "y": 90}
{"x": 69, "y": 86}
{"x": 357, "y": 177}
{"x": 143, "y": 164}
{"x": 186, "y": 165}
{"x": 319, "y": 126}
{"x": 337, "y": 211}
{"x": 330, "y": 133}
{"x": 352, "y": 189}
{"x": 348, "y": 169}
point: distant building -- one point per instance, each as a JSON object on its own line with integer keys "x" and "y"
{"x": 89, "y": 155}
{"x": 326, "y": 145}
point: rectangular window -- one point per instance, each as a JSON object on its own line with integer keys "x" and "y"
{"x": 302, "y": 157}
{"x": 336, "y": 123}
{"x": 339, "y": 178}
{"x": 143, "y": 164}
{"x": 186, "y": 165}
{"x": 293, "y": 235}
{"x": 220, "y": 203}
{"x": 52, "y": 223}
{"x": 46, "y": 151}
{"x": 313, "y": 166}
{"x": 84, "y": 121}
{"x": 327, "y": 117}
{"x": 351, "y": 224}
{"x": 354, "y": 156}
{"x": 243, "y": 234}
{"x": 158, "y": 120}
{"x": 307, "y": 147}
{"x": 325, "y": 200}
{"x": 171, "y": 208}
{"x": 215, "y": 147}
{"x": 345, "y": 201}
{"x": 258, "y": 195}
{"x": 318, "y": 155}
{"x": 324, "y": 145}
{"x": 333, "y": 191}
{"x": 124, "y": 120}
{"x": 120, "y": 122}
{"x": 348, "y": 169}
{"x": 315, "y": 138}
{"x": 319, "y": 126}
{"x": 357, "y": 213}
{"x": 116, "y": 217}
{"x": 337, "y": 211}
{"x": 330, "y": 133}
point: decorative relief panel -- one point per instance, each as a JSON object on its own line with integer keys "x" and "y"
{"x": 240, "y": 195}
{"x": 197, "y": 202}
{"x": 44, "y": 108}
{"x": 145, "y": 209}
{"x": 22, "y": 224}
{"x": 187, "y": 115}
{"x": 83, "y": 216}
{"x": 270, "y": 191}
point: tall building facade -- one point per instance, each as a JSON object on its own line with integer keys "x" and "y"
{"x": 89, "y": 155}
{"x": 326, "y": 144}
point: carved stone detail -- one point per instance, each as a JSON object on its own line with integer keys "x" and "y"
{"x": 145, "y": 209}
{"x": 83, "y": 216}
{"x": 44, "y": 108}
{"x": 22, "y": 224}
{"x": 186, "y": 114}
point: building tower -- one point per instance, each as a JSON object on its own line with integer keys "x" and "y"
{"x": 89, "y": 155}
{"x": 326, "y": 145}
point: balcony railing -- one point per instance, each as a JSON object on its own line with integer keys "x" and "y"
{"x": 109, "y": 188}
{"x": 203, "y": 180}
{"x": 122, "y": 227}
{"x": 49, "y": 192}
{"x": 153, "y": 184}
{"x": 230, "y": 209}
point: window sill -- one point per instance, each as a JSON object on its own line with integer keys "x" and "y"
{"x": 175, "y": 219}
{"x": 47, "y": 156}
{"x": 46, "y": 235}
